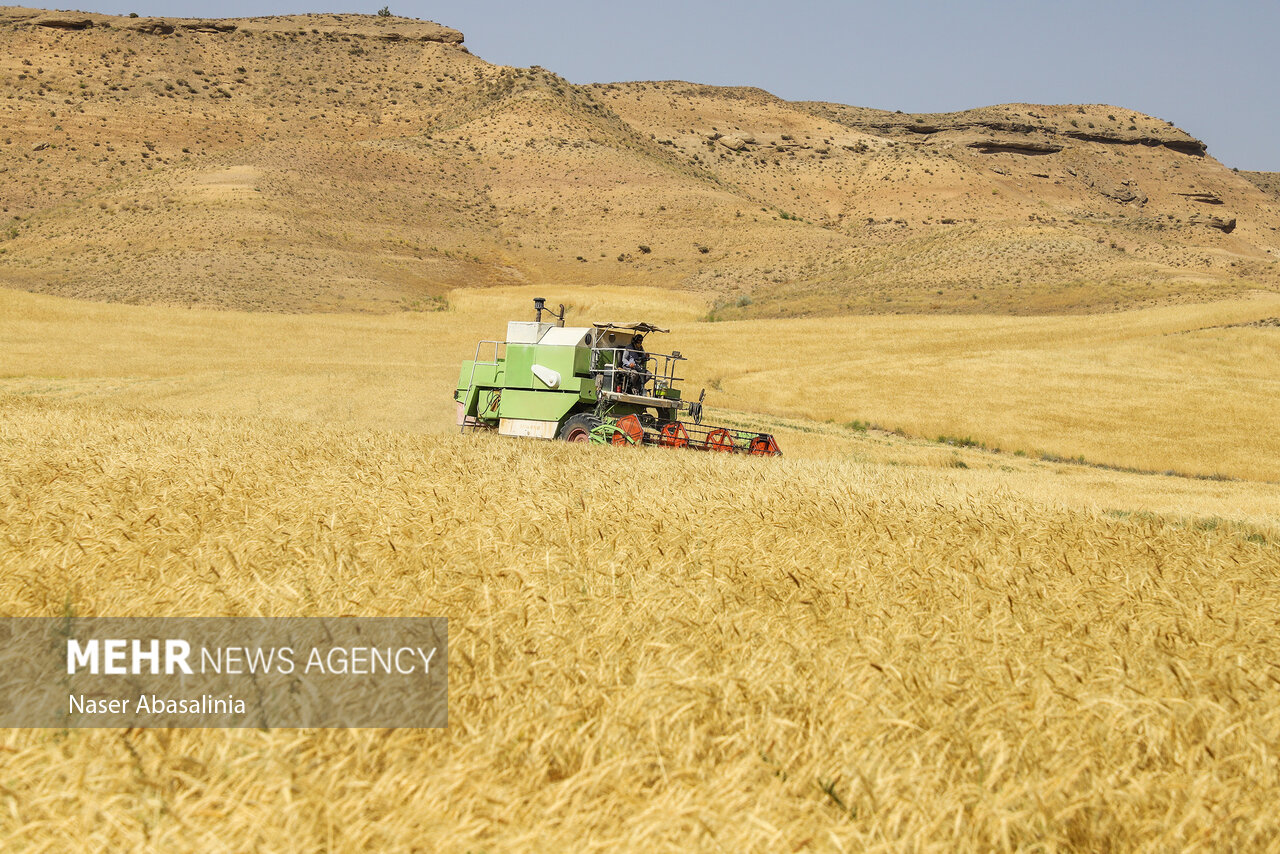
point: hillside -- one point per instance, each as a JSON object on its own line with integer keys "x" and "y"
{"x": 1268, "y": 182}
{"x": 323, "y": 162}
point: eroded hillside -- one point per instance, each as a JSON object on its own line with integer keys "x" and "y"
{"x": 323, "y": 162}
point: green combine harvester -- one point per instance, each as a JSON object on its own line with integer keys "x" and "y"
{"x": 593, "y": 383}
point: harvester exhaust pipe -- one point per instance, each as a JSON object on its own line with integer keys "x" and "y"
{"x": 540, "y": 305}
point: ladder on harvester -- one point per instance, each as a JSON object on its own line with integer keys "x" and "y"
{"x": 464, "y": 420}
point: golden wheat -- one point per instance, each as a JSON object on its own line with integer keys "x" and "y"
{"x": 650, "y": 649}
{"x": 1176, "y": 389}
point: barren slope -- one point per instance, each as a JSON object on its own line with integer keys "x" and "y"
{"x": 323, "y": 162}
{"x": 1268, "y": 182}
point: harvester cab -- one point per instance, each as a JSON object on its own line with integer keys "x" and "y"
{"x": 596, "y": 383}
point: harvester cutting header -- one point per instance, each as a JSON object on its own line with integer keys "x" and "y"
{"x": 593, "y": 383}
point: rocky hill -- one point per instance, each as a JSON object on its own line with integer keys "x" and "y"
{"x": 346, "y": 162}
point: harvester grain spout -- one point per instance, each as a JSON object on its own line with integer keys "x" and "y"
{"x": 596, "y": 383}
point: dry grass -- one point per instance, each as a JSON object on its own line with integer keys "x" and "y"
{"x": 650, "y": 650}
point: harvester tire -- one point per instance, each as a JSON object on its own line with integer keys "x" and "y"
{"x": 577, "y": 428}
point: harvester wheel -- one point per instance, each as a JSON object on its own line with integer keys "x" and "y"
{"x": 577, "y": 428}
{"x": 674, "y": 435}
{"x": 720, "y": 440}
{"x": 628, "y": 431}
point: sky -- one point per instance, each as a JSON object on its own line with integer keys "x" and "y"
{"x": 1210, "y": 68}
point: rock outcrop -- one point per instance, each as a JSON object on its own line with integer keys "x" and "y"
{"x": 1015, "y": 146}
{"x": 152, "y": 26}
{"x": 736, "y": 142}
{"x": 60, "y": 21}
{"x": 1185, "y": 146}
{"x": 1008, "y": 129}
{"x": 333, "y": 26}
{"x": 1205, "y": 198}
{"x": 1224, "y": 224}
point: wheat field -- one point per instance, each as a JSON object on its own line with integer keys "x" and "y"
{"x": 1014, "y": 585}
{"x": 878, "y": 642}
{"x": 1184, "y": 389}
{"x": 649, "y": 650}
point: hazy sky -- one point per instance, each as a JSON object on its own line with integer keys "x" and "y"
{"x": 1211, "y": 68}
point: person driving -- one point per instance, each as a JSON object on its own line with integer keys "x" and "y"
{"x": 634, "y": 360}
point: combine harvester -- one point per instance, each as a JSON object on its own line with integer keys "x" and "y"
{"x": 588, "y": 384}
